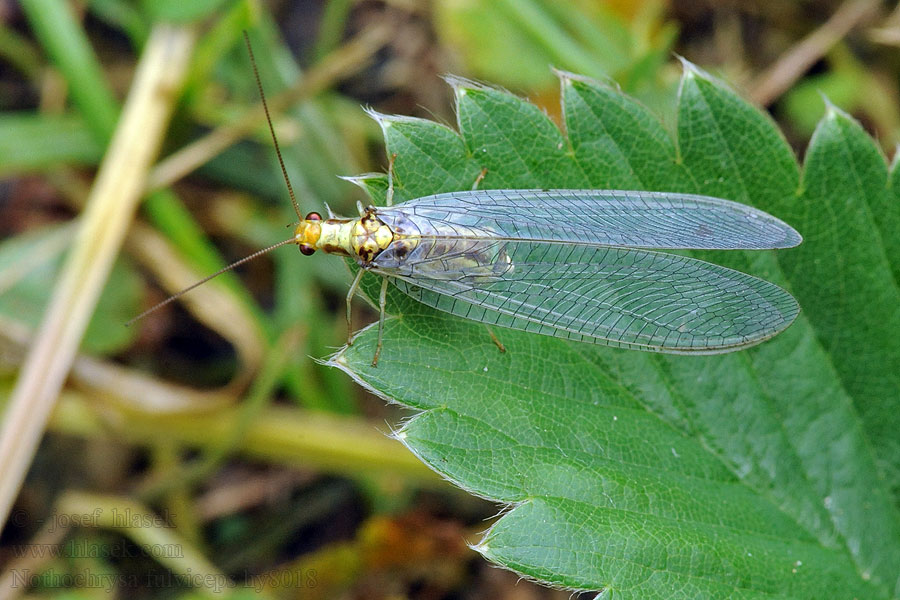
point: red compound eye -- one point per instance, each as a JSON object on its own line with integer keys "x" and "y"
{"x": 313, "y": 216}
{"x": 306, "y": 248}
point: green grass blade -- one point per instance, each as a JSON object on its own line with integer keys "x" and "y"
{"x": 58, "y": 30}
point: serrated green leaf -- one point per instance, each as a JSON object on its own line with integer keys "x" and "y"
{"x": 520, "y": 156}
{"x": 615, "y": 139}
{"x": 750, "y": 475}
{"x": 844, "y": 277}
{"x": 436, "y": 152}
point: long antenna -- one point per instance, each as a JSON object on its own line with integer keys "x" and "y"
{"x": 236, "y": 263}
{"x": 258, "y": 253}
{"x": 262, "y": 95}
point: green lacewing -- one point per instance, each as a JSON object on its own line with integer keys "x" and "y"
{"x": 584, "y": 265}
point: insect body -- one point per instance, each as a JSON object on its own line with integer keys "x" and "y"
{"x": 576, "y": 264}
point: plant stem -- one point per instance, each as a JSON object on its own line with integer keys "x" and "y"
{"x": 104, "y": 224}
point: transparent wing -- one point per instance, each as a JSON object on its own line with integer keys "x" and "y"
{"x": 597, "y": 217}
{"x": 614, "y": 296}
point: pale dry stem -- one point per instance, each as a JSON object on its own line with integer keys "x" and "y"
{"x": 780, "y": 76}
{"x": 104, "y": 224}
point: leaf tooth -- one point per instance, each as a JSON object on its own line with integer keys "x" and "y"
{"x": 373, "y": 184}
{"x": 832, "y": 111}
{"x": 385, "y": 120}
{"x": 328, "y": 362}
{"x": 363, "y": 179}
{"x": 691, "y": 70}
{"x": 458, "y": 84}
{"x": 563, "y": 74}
{"x": 382, "y": 119}
{"x": 688, "y": 66}
{"x": 896, "y": 157}
{"x": 339, "y": 361}
{"x": 462, "y": 84}
{"x": 481, "y": 547}
{"x": 567, "y": 77}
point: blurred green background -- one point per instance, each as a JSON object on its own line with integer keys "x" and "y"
{"x": 215, "y": 415}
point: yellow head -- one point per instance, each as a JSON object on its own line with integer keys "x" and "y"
{"x": 308, "y": 232}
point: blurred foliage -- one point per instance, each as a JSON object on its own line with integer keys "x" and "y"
{"x": 28, "y": 267}
{"x": 64, "y": 70}
{"x": 513, "y": 43}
